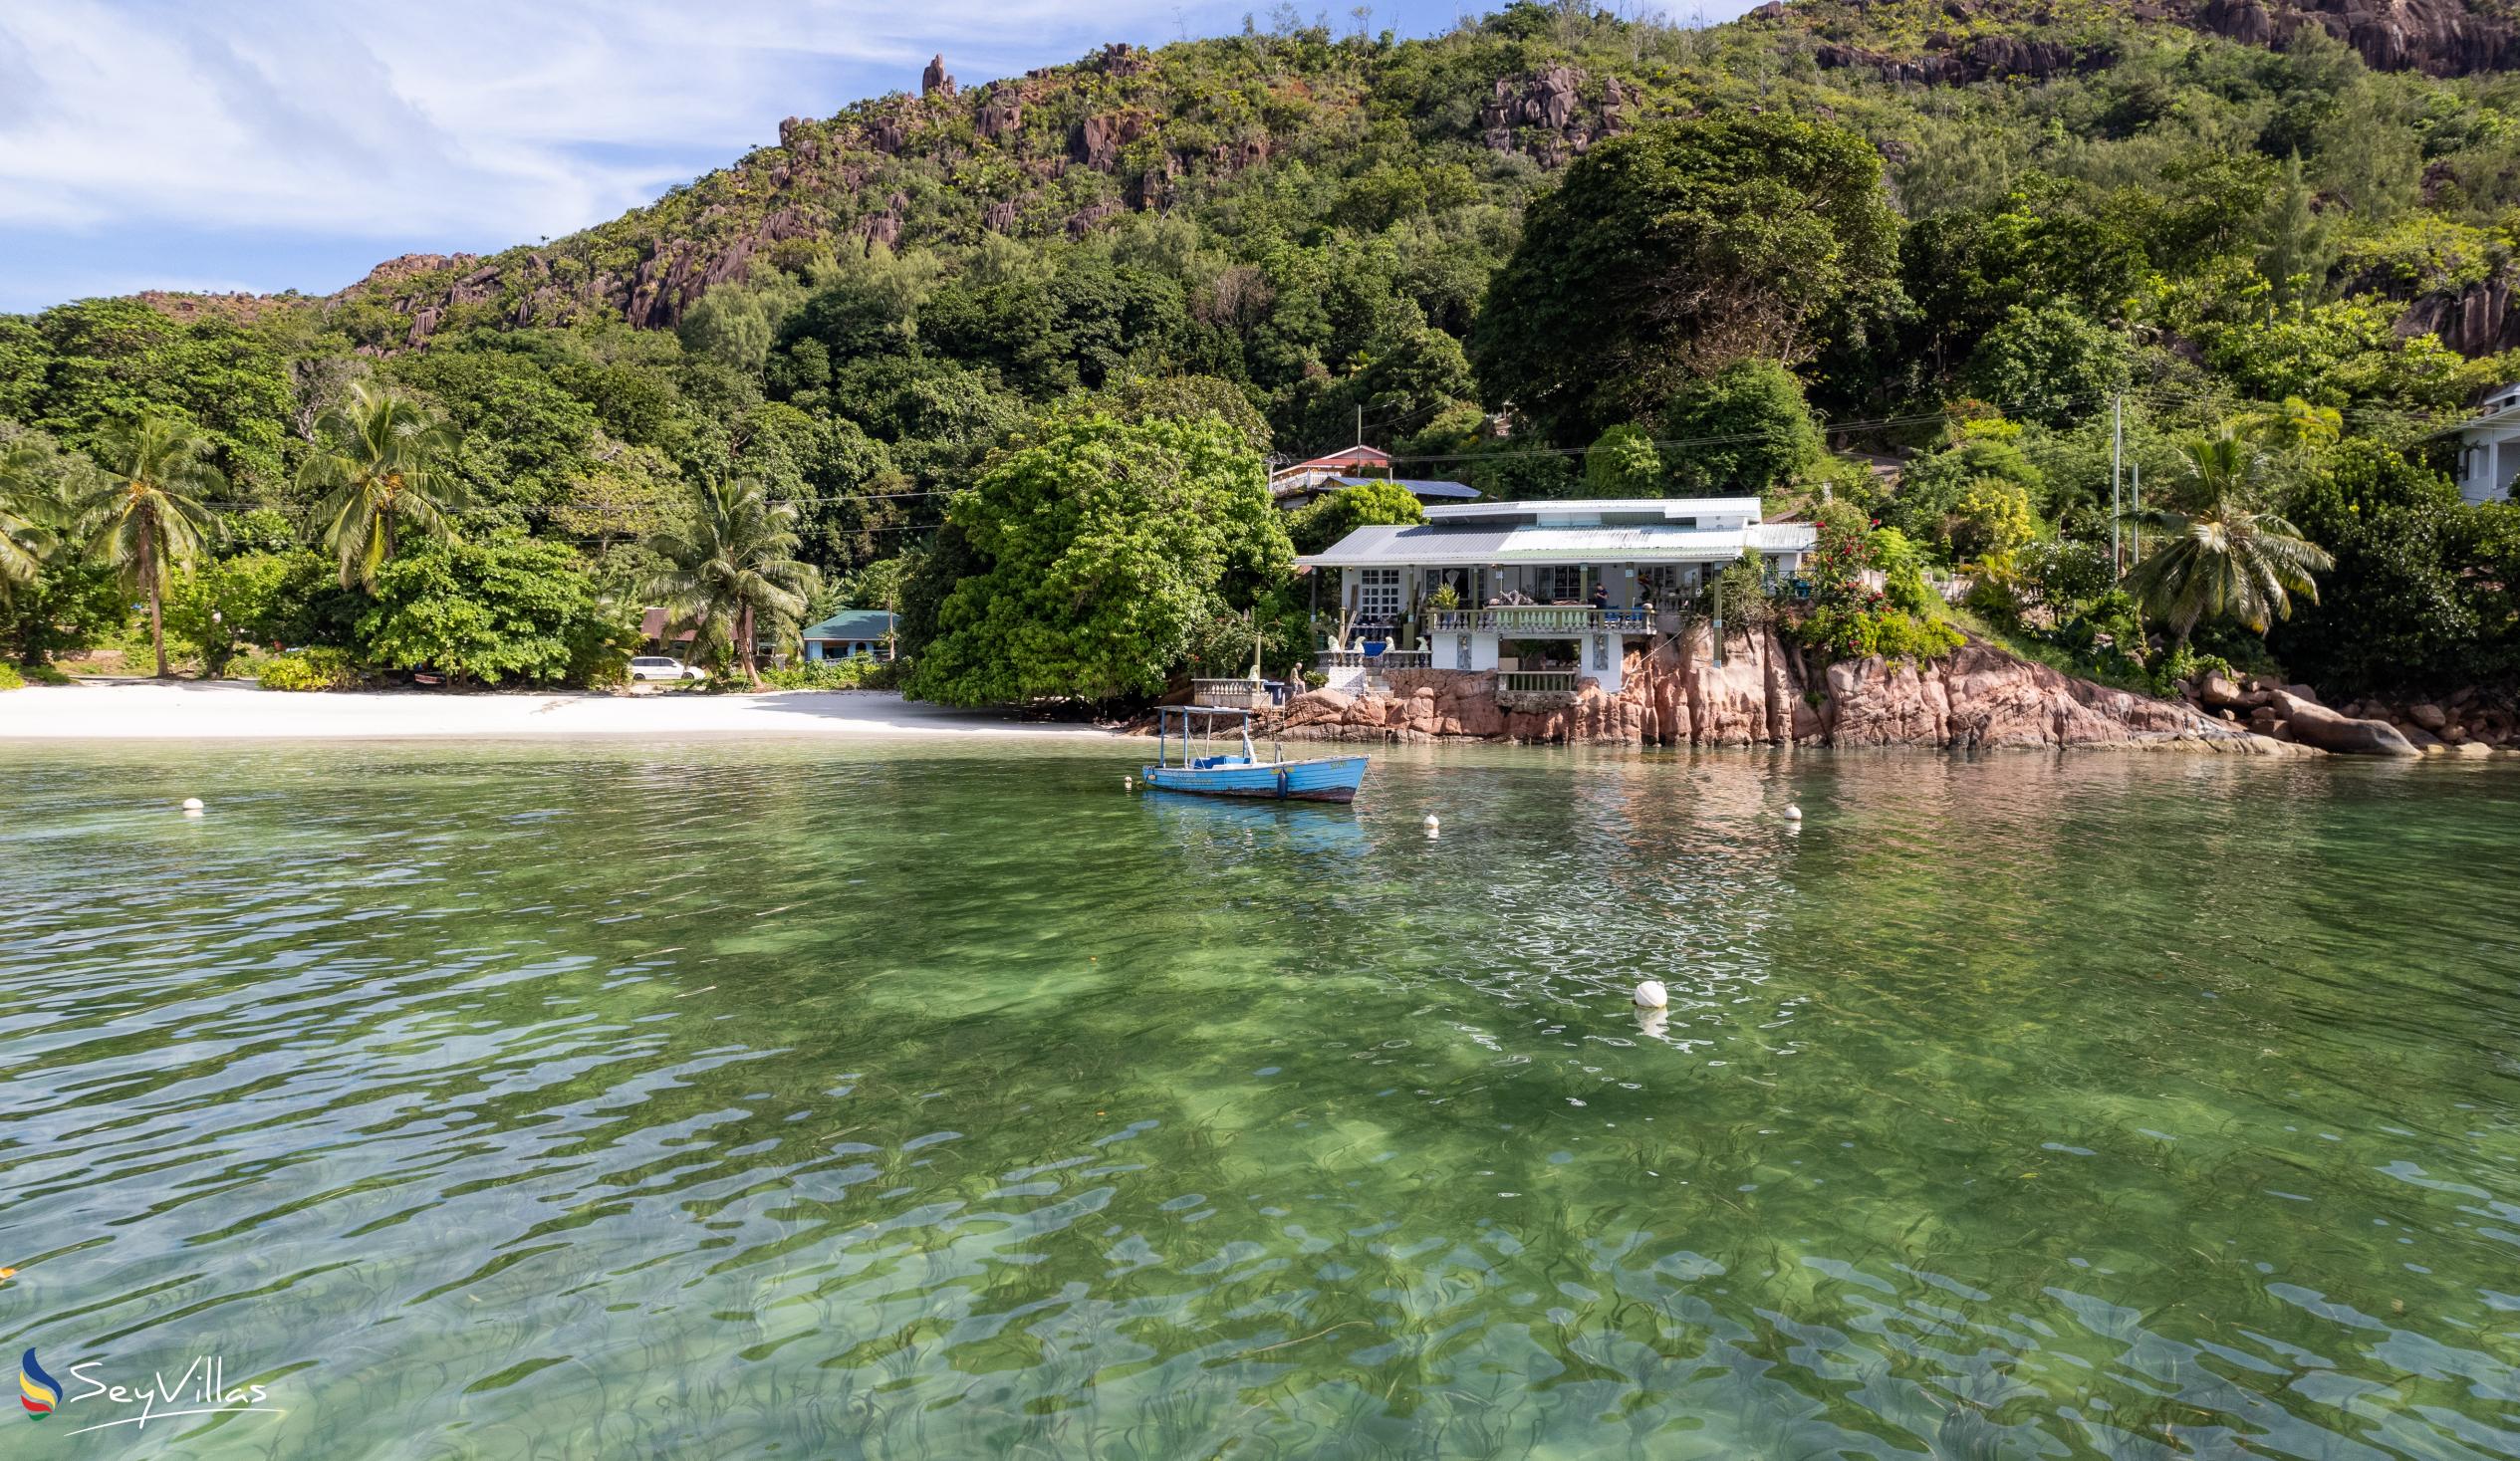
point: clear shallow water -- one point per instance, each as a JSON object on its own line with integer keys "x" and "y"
{"x": 806, "y": 1101}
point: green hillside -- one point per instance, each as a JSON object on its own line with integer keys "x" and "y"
{"x": 1301, "y": 232}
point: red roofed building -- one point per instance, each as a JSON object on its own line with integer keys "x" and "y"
{"x": 1354, "y": 461}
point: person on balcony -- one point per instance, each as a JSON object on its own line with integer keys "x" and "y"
{"x": 1600, "y": 597}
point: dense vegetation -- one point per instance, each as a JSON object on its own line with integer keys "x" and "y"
{"x": 980, "y": 355}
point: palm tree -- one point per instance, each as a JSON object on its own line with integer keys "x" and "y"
{"x": 380, "y": 464}
{"x": 148, "y": 517}
{"x": 729, "y": 566}
{"x": 2293, "y": 422}
{"x": 25, "y": 516}
{"x": 2219, "y": 558}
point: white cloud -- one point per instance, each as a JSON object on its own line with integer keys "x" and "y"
{"x": 295, "y": 143}
{"x": 467, "y": 118}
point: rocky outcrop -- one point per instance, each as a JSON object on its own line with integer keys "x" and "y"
{"x": 1948, "y": 62}
{"x": 1761, "y": 694}
{"x": 934, "y": 81}
{"x": 1992, "y": 39}
{"x": 2479, "y": 320}
{"x": 1545, "y": 111}
{"x": 2437, "y": 37}
{"x": 2467, "y": 723}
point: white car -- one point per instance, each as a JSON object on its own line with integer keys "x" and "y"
{"x": 659, "y": 668}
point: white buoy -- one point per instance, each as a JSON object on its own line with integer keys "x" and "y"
{"x": 1128, "y": 783}
{"x": 1652, "y": 995}
{"x": 192, "y": 805}
{"x": 1793, "y": 813}
{"x": 1433, "y": 823}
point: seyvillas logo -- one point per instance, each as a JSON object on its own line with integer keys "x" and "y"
{"x": 200, "y": 1390}
{"x": 37, "y": 1391}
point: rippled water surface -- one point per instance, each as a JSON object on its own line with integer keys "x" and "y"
{"x": 889, "y": 1101}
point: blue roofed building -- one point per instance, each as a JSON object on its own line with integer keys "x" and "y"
{"x": 852, "y": 633}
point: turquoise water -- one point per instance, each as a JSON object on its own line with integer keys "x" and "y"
{"x": 788, "y": 1101}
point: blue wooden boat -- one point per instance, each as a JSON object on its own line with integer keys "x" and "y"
{"x": 1192, "y": 763}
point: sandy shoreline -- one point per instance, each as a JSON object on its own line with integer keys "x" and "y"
{"x": 188, "y": 712}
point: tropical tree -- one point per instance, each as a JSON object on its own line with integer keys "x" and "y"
{"x": 1083, "y": 561}
{"x": 380, "y": 463}
{"x": 148, "y": 519}
{"x": 730, "y": 567}
{"x": 2219, "y": 558}
{"x": 1673, "y": 251}
{"x": 2293, "y": 422}
{"x": 25, "y": 521}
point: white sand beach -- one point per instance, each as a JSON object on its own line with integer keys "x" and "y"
{"x": 228, "y": 711}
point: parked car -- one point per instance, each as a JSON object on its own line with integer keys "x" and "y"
{"x": 661, "y": 667}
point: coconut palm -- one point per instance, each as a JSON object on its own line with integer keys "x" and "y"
{"x": 2218, "y": 558}
{"x": 147, "y": 519}
{"x": 729, "y": 568}
{"x": 380, "y": 464}
{"x": 2293, "y": 422}
{"x": 26, "y": 518}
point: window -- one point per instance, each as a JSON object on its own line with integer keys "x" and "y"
{"x": 1377, "y": 594}
{"x": 1562, "y": 581}
{"x": 1663, "y": 582}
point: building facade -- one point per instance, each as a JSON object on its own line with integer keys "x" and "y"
{"x": 2489, "y": 448}
{"x": 1550, "y": 593}
{"x": 852, "y": 633}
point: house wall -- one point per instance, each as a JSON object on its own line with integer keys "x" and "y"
{"x": 2488, "y": 459}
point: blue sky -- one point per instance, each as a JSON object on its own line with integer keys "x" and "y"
{"x": 268, "y": 144}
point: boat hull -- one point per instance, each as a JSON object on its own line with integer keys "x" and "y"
{"x": 1331, "y": 779}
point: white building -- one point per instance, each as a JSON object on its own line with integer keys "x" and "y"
{"x": 2489, "y": 448}
{"x": 1573, "y": 579}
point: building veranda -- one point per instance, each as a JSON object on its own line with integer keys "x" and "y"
{"x": 1549, "y": 593}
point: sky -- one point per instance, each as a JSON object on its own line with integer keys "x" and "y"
{"x": 271, "y": 145}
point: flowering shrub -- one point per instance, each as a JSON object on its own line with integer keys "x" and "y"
{"x": 1849, "y": 620}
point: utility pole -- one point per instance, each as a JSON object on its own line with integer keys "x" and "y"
{"x": 2134, "y": 532}
{"x": 2116, "y": 454}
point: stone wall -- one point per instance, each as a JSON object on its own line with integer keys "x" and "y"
{"x": 1763, "y": 694}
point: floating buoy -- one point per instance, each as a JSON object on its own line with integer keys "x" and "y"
{"x": 1434, "y": 827}
{"x": 192, "y": 805}
{"x": 1128, "y": 783}
{"x": 1652, "y": 995}
{"x": 1793, "y": 813}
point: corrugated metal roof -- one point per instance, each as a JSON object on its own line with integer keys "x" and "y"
{"x": 1783, "y": 537}
{"x": 1384, "y": 547}
{"x": 851, "y": 623}
{"x": 1417, "y": 486}
{"x": 1667, "y": 507}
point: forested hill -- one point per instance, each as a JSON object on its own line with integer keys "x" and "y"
{"x": 2203, "y": 206}
{"x": 1063, "y": 151}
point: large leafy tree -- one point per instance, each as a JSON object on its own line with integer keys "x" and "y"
{"x": 1094, "y": 549}
{"x": 1674, "y": 251}
{"x": 380, "y": 465}
{"x": 730, "y": 569}
{"x": 150, "y": 517}
{"x": 2219, "y": 558}
{"x": 1357, "y": 505}
{"x": 26, "y": 517}
{"x": 2425, "y": 584}
{"x": 1743, "y": 429}
{"x": 511, "y": 609}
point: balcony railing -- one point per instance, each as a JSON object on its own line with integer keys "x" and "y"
{"x": 1539, "y": 618}
{"x": 1536, "y": 681}
{"x": 1387, "y": 660}
{"x": 1231, "y": 695}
